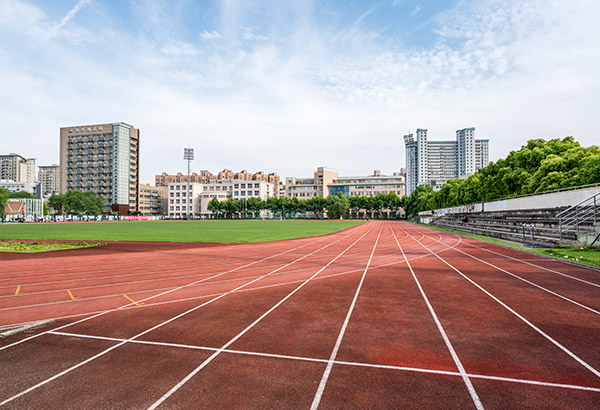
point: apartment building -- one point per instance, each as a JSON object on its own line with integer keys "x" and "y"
{"x": 184, "y": 200}
{"x": 14, "y": 167}
{"x": 369, "y": 185}
{"x": 435, "y": 162}
{"x": 153, "y": 199}
{"x": 103, "y": 158}
{"x": 205, "y": 177}
{"x": 306, "y": 188}
{"x": 236, "y": 189}
{"x": 49, "y": 179}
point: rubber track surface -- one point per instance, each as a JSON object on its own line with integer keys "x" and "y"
{"x": 384, "y": 315}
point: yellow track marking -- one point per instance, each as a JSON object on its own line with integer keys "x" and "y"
{"x": 18, "y": 290}
{"x": 71, "y": 295}
{"x": 133, "y": 301}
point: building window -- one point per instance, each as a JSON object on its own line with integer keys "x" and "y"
{"x": 256, "y": 193}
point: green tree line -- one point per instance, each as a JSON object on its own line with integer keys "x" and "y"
{"x": 335, "y": 205}
{"x": 537, "y": 167}
{"x": 77, "y": 203}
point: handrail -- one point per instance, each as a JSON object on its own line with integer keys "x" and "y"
{"x": 572, "y": 217}
{"x": 572, "y": 188}
{"x": 558, "y": 215}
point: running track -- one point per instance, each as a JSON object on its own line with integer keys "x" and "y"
{"x": 383, "y": 315}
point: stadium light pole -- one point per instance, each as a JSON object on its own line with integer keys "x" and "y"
{"x": 188, "y": 154}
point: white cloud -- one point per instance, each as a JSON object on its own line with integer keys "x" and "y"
{"x": 296, "y": 94}
{"x": 180, "y": 48}
{"x": 210, "y": 35}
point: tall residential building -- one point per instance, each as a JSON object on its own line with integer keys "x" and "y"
{"x": 49, "y": 179}
{"x": 205, "y": 177}
{"x": 103, "y": 158}
{"x": 435, "y": 162}
{"x": 13, "y": 167}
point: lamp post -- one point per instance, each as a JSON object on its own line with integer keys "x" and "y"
{"x": 188, "y": 154}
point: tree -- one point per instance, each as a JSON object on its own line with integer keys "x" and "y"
{"x": 22, "y": 194}
{"x": 4, "y": 195}
{"x": 337, "y": 205}
{"x": 214, "y": 206}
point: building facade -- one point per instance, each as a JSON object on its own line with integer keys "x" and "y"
{"x": 205, "y": 177}
{"x": 30, "y": 187}
{"x": 194, "y": 199}
{"x": 435, "y": 162}
{"x": 153, "y": 200}
{"x": 103, "y": 158}
{"x": 369, "y": 186}
{"x": 49, "y": 180}
{"x": 306, "y": 188}
{"x": 13, "y": 167}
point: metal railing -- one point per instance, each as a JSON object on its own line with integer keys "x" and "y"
{"x": 586, "y": 211}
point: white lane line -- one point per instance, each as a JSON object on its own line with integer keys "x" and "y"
{"x": 164, "y": 293}
{"x": 338, "y": 342}
{"x": 230, "y": 342}
{"x": 531, "y": 283}
{"x": 523, "y": 319}
{"x": 337, "y": 362}
{"x": 120, "y": 284}
{"x": 56, "y": 376}
{"x": 126, "y": 307}
{"x": 539, "y": 266}
{"x": 453, "y": 353}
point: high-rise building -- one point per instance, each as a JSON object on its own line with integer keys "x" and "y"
{"x": 103, "y": 158}
{"x": 435, "y": 162}
{"x": 49, "y": 179}
{"x": 13, "y": 167}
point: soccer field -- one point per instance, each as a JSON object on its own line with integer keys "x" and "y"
{"x": 220, "y": 231}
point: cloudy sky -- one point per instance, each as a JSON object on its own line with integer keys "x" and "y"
{"x": 287, "y": 86}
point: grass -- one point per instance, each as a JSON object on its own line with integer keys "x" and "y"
{"x": 219, "y": 231}
{"x": 35, "y": 247}
{"x": 586, "y": 256}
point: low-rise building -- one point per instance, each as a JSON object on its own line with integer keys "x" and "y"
{"x": 28, "y": 209}
{"x": 205, "y": 177}
{"x": 307, "y": 188}
{"x": 183, "y": 199}
{"x": 369, "y": 186}
{"x": 153, "y": 200}
{"x": 326, "y": 181}
{"x": 193, "y": 200}
{"x": 30, "y": 187}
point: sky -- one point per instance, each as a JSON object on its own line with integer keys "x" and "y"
{"x": 288, "y": 86}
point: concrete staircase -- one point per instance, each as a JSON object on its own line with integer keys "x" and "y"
{"x": 537, "y": 227}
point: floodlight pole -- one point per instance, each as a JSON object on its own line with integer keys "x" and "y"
{"x": 188, "y": 154}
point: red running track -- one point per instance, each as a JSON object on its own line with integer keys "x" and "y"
{"x": 383, "y": 315}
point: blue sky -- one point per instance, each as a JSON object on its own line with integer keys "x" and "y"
{"x": 287, "y": 86}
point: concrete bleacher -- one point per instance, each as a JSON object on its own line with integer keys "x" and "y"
{"x": 509, "y": 225}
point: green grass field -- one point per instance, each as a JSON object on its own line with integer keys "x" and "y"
{"x": 176, "y": 231}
